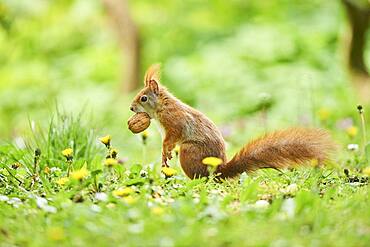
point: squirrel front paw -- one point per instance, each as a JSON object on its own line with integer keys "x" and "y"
{"x": 166, "y": 156}
{"x": 164, "y": 160}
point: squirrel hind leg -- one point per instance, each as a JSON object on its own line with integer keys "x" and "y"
{"x": 191, "y": 160}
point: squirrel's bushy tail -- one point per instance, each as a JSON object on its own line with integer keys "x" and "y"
{"x": 280, "y": 149}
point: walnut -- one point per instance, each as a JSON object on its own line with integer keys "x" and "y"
{"x": 139, "y": 122}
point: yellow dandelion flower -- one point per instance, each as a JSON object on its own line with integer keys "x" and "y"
{"x": 16, "y": 165}
{"x": 145, "y": 134}
{"x": 177, "y": 149}
{"x": 46, "y": 170}
{"x": 323, "y": 114}
{"x": 352, "y": 131}
{"x": 122, "y": 192}
{"x": 157, "y": 211}
{"x": 80, "y": 174}
{"x": 314, "y": 162}
{"x": 110, "y": 162}
{"x": 366, "y": 171}
{"x": 62, "y": 181}
{"x": 55, "y": 233}
{"x": 106, "y": 140}
{"x": 129, "y": 199}
{"x": 68, "y": 152}
{"x": 168, "y": 171}
{"x": 212, "y": 161}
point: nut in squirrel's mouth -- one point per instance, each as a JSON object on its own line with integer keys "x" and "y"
{"x": 139, "y": 122}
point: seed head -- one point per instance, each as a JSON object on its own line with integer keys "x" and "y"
{"x": 360, "y": 109}
{"x": 113, "y": 153}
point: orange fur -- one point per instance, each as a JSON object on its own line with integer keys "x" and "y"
{"x": 199, "y": 137}
{"x": 153, "y": 73}
{"x": 280, "y": 149}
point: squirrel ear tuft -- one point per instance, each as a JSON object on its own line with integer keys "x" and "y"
{"x": 152, "y": 77}
{"x": 152, "y": 74}
{"x": 153, "y": 85}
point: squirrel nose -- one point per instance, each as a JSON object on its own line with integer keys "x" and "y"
{"x": 132, "y": 108}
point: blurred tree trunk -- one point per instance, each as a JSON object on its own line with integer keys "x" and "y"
{"x": 358, "y": 12}
{"x": 128, "y": 36}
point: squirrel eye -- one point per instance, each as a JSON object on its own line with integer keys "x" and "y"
{"x": 144, "y": 98}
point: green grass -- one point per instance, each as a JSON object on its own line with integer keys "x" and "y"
{"x": 251, "y": 66}
{"x": 303, "y": 207}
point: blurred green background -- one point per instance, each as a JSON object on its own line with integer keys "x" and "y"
{"x": 249, "y": 65}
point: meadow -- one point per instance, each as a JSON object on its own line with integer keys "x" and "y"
{"x": 72, "y": 174}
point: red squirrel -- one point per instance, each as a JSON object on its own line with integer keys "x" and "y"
{"x": 199, "y": 137}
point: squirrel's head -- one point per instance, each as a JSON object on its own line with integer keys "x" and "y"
{"x": 147, "y": 99}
